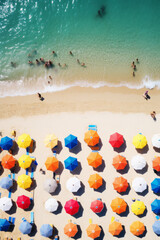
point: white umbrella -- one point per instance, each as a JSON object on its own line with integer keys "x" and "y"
{"x": 73, "y": 184}
{"x": 50, "y": 185}
{"x": 156, "y": 140}
{"x": 5, "y": 204}
{"x": 139, "y": 184}
{"x": 138, "y": 162}
{"x": 51, "y": 205}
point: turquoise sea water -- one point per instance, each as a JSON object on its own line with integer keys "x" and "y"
{"x": 107, "y": 44}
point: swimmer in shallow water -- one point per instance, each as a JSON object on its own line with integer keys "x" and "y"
{"x": 13, "y": 64}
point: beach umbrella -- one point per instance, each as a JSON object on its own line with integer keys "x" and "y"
{"x": 52, "y": 164}
{"x": 8, "y": 161}
{"x": 50, "y": 185}
{"x": 6, "y": 143}
{"x": 138, "y": 162}
{"x": 156, "y": 227}
{"x": 70, "y": 141}
{"x": 138, "y": 207}
{"x": 4, "y": 225}
{"x": 137, "y": 228}
{"x": 139, "y": 184}
{"x": 24, "y": 140}
{"x": 70, "y": 229}
{"x": 97, "y": 206}
{"x": 93, "y": 231}
{"x": 71, "y": 207}
{"x": 118, "y": 205}
{"x": 139, "y": 141}
{"x": 73, "y": 184}
{"x": 156, "y": 164}
{"x": 25, "y": 161}
{"x": 91, "y": 137}
{"x": 94, "y": 159}
{"x": 95, "y": 181}
{"x": 51, "y": 205}
{"x": 119, "y": 162}
{"x": 23, "y": 202}
{"x": 51, "y": 141}
{"x": 116, "y": 140}
{"x": 5, "y": 204}
{"x": 156, "y": 140}
{"x": 115, "y": 228}
{"x": 155, "y": 206}
{"x": 46, "y": 230}
{"x": 25, "y": 227}
{"x": 120, "y": 184}
{"x": 71, "y": 163}
{"x": 24, "y": 181}
{"x": 6, "y": 183}
{"x": 155, "y": 185}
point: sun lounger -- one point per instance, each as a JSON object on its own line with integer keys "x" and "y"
{"x": 75, "y": 198}
{"x": 54, "y": 153}
{"x": 32, "y": 173}
{"x": 27, "y": 151}
{"x": 10, "y": 193}
{"x": 56, "y": 237}
{"x": 32, "y": 217}
{"x": 69, "y": 220}
{"x": 94, "y": 150}
{"x": 13, "y": 220}
{"x": 26, "y": 171}
{"x": 13, "y": 176}
{"x": 92, "y": 127}
{"x": 90, "y": 220}
{"x": 157, "y": 217}
{"x": 23, "y": 219}
{"x": 57, "y": 178}
{"x": 9, "y": 175}
{"x": 10, "y": 219}
{"x": 0, "y": 194}
{"x": 112, "y": 219}
{"x": 99, "y": 199}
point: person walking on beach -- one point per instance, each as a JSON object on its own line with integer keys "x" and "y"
{"x": 153, "y": 115}
{"x": 40, "y": 97}
{"x": 70, "y": 53}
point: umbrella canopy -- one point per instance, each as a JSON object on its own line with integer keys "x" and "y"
{"x": 91, "y": 137}
{"x": 4, "y": 224}
{"x": 156, "y": 164}
{"x": 137, "y": 228}
{"x": 139, "y": 141}
{"x": 155, "y": 185}
{"x": 23, "y": 202}
{"x": 116, "y": 140}
{"x": 115, "y": 228}
{"x": 51, "y": 205}
{"x": 6, "y": 143}
{"x": 46, "y": 230}
{"x": 25, "y": 227}
{"x": 71, "y": 207}
{"x": 156, "y": 227}
{"x": 138, "y": 162}
{"x": 50, "y": 185}
{"x": 8, "y": 161}
{"x": 95, "y": 181}
{"x": 25, "y": 161}
{"x": 24, "y": 181}
{"x": 5, "y": 204}
{"x": 71, "y": 163}
{"x": 93, "y": 231}
{"x": 6, "y": 183}
{"x": 155, "y": 206}
{"x": 156, "y": 140}
{"x": 52, "y": 164}
{"x": 73, "y": 184}
{"x": 139, "y": 184}
{"x": 94, "y": 159}
{"x": 118, "y": 205}
{"x": 24, "y": 140}
{"x": 51, "y": 141}
{"x": 119, "y": 162}
{"x": 70, "y": 141}
{"x": 120, "y": 184}
{"x": 97, "y": 206}
{"x": 70, "y": 229}
{"x": 138, "y": 207}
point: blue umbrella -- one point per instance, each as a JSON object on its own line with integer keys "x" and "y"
{"x": 6, "y": 182}
{"x": 25, "y": 227}
{"x": 6, "y": 143}
{"x": 155, "y": 206}
{"x": 71, "y": 163}
{"x": 155, "y": 185}
{"x": 156, "y": 227}
{"x": 46, "y": 230}
{"x": 70, "y": 141}
{"x": 4, "y": 225}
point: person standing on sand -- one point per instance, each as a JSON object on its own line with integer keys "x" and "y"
{"x": 153, "y": 115}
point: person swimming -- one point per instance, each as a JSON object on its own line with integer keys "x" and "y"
{"x": 13, "y": 64}
{"x": 37, "y": 62}
{"x": 102, "y": 11}
{"x": 42, "y": 60}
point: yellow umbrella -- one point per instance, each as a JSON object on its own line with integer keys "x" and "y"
{"x": 24, "y": 140}
{"x": 138, "y": 207}
{"x": 25, "y": 161}
{"x": 139, "y": 141}
{"x": 51, "y": 141}
{"x": 24, "y": 181}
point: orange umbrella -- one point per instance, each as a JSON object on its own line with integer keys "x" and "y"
{"x": 156, "y": 163}
{"x": 93, "y": 231}
{"x": 120, "y": 184}
{"x": 8, "y": 161}
{"x": 94, "y": 159}
{"x": 137, "y": 228}
{"x": 70, "y": 229}
{"x": 115, "y": 228}
{"x": 119, "y": 162}
{"x": 95, "y": 181}
{"x": 52, "y": 164}
{"x": 91, "y": 138}
{"x": 118, "y": 205}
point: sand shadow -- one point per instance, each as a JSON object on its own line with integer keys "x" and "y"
{"x": 144, "y": 150}
{"x": 11, "y": 227}
{"x": 14, "y": 149}
{"x": 80, "y": 191}
{"x": 34, "y": 230}
{"x": 33, "y": 185}
{"x": 77, "y": 170}
{"x": 125, "y": 214}
{"x": 144, "y": 234}
{"x": 98, "y": 146}
{"x": 103, "y": 212}
{"x": 101, "y": 188}
{"x": 156, "y": 149}
{"x": 122, "y": 233}
{"x": 32, "y": 146}
{"x": 125, "y": 170}
{"x": 14, "y": 186}
{"x": 57, "y": 191}
{"x": 144, "y": 214}
{"x": 13, "y": 209}
{"x": 122, "y": 148}
{"x": 76, "y": 149}
{"x": 127, "y": 191}
{"x": 60, "y": 169}
{"x": 101, "y": 167}
{"x": 55, "y": 232}
{"x": 30, "y": 207}
{"x": 1, "y": 169}
{"x": 57, "y": 148}
{"x": 79, "y": 233}
{"x": 59, "y": 209}
{"x": 102, "y": 234}
{"x": 156, "y": 172}
{"x": 80, "y": 212}
{"x": 157, "y": 194}
{"x": 144, "y": 170}
{"x": 143, "y": 193}
{"x": 16, "y": 168}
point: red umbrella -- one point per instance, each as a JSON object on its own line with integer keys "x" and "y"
{"x": 23, "y": 202}
{"x": 97, "y": 206}
{"x": 116, "y": 140}
{"x": 71, "y": 207}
